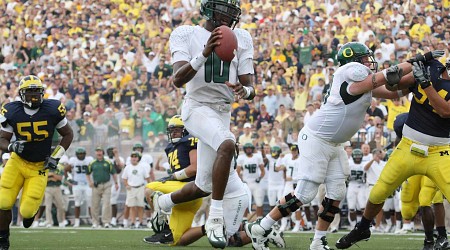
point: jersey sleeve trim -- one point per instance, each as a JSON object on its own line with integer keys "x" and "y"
{"x": 62, "y": 123}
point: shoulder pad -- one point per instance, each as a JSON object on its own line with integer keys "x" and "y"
{"x": 356, "y": 72}
{"x": 8, "y": 109}
{"x": 180, "y": 35}
{"x": 55, "y": 107}
{"x": 244, "y": 38}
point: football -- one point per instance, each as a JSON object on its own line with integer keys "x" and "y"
{"x": 228, "y": 45}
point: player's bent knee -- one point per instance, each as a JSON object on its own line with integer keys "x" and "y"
{"x": 337, "y": 191}
{"x": 291, "y": 205}
{"x": 409, "y": 211}
{"x": 306, "y": 191}
{"x": 379, "y": 193}
{"x": 6, "y": 201}
{"x": 328, "y": 207}
{"x": 29, "y": 209}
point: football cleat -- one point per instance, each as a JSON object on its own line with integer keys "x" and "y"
{"x": 164, "y": 237}
{"x": 354, "y": 236}
{"x": 428, "y": 245}
{"x": 4, "y": 242}
{"x": 441, "y": 243}
{"x": 159, "y": 215}
{"x": 276, "y": 238}
{"x": 319, "y": 244}
{"x": 258, "y": 235}
{"x": 215, "y": 231}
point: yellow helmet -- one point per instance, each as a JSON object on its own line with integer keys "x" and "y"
{"x": 175, "y": 122}
{"x": 31, "y": 91}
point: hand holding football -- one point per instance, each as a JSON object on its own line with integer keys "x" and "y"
{"x": 227, "y": 48}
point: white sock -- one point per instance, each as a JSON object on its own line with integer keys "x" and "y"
{"x": 319, "y": 234}
{"x": 216, "y": 209}
{"x": 267, "y": 222}
{"x": 398, "y": 224}
{"x": 165, "y": 202}
{"x": 297, "y": 223}
{"x": 125, "y": 223}
{"x": 137, "y": 224}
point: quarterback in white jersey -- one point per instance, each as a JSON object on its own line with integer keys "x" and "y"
{"x": 323, "y": 157}
{"x": 251, "y": 167}
{"x": 356, "y": 191}
{"x": 78, "y": 166}
{"x": 211, "y": 86}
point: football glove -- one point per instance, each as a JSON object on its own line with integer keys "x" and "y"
{"x": 427, "y": 56}
{"x": 167, "y": 178}
{"x": 393, "y": 76}
{"x": 51, "y": 163}
{"x": 16, "y": 147}
{"x": 421, "y": 74}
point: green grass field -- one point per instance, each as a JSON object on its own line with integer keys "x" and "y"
{"x": 69, "y": 238}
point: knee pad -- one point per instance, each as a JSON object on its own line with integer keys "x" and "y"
{"x": 328, "y": 208}
{"x": 7, "y": 198}
{"x": 306, "y": 191}
{"x": 336, "y": 190}
{"x": 290, "y": 206}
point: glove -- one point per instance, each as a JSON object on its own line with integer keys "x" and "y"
{"x": 427, "y": 56}
{"x": 167, "y": 178}
{"x": 257, "y": 180}
{"x": 421, "y": 75}
{"x": 16, "y": 147}
{"x": 51, "y": 163}
{"x": 393, "y": 76}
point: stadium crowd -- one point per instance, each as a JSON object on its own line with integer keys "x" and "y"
{"x": 109, "y": 63}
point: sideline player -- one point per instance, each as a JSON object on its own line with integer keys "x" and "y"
{"x": 356, "y": 191}
{"x": 323, "y": 158}
{"x": 33, "y": 121}
{"x": 424, "y": 147}
{"x": 211, "y": 86}
{"x": 82, "y": 193}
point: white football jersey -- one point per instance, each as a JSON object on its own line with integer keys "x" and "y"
{"x": 275, "y": 177}
{"x": 79, "y": 168}
{"x": 373, "y": 173}
{"x": 342, "y": 114}
{"x": 356, "y": 172}
{"x": 292, "y": 165}
{"x": 207, "y": 86}
{"x": 250, "y": 166}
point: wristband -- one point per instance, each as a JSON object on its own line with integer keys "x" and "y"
{"x": 180, "y": 175}
{"x": 198, "y": 61}
{"x": 247, "y": 92}
{"x": 58, "y": 152}
{"x": 400, "y": 93}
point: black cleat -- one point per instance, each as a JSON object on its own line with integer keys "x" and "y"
{"x": 354, "y": 236}
{"x": 4, "y": 243}
{"x": 428, "y": 245}
{"x": 165, "y": 237}
{"x": 28, "y": 222}
{"x": 441, "y": 243}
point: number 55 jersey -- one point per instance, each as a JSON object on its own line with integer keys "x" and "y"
{"x": 36, "y": 127}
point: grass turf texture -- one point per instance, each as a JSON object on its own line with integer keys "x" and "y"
{"x": 69, "y": 238}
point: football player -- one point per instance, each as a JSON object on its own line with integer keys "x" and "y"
{"x": 424, "y": 146}
{"x": 356, "y": 190}
{"x": 250, "y": 167}
{"x": 182, "y": 158}
{"x": 112, "y": 155}
{"x": 33, "y": 121}
{"x": 211, "y": 87}
{"x": 321, "y": 140}
{"x": 82, "y": 193}
{"x": 275, "y": 177}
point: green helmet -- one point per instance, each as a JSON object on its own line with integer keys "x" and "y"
{"x": 355, "y": 52}
{"x": 229, "y": 8}
{"x": 357, "y": 155}
{"x": 137, "y": 145}
{"x": 275, "y": 151}
{"x": 248, "y": 145}
{"x": 80, "y": 150}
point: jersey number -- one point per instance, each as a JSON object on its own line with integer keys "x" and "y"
{"x": 193, "y": 140}
{"x": 292, "y": 171}
{"x": 251, "y": 168}
{"x": 173, "y": 159}
{"x": 216, "y": 70}
{"x": 32, "y": 131}
{"x": 442, "y": 93}
{"x": 81, "y": 169}
{"x": 356, "y": 175}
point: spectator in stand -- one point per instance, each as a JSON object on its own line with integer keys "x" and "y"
{"x": 373, "y": 110}
{"x": 270, "y": 101}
